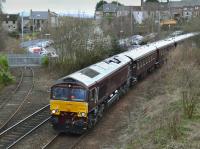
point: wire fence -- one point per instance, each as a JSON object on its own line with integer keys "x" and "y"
{"x": 21, "y": 60}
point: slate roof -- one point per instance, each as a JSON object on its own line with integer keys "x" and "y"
{"x": 151, "y": 6}
{"x": 110, "y": 7}
{"x": 10, "y": 17}
{"x": 114, "y": 8}
{"x": 185, "y": 3}
{"x": 39, "y": 15}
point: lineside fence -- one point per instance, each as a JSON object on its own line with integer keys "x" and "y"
{"x": 21, "y": 60}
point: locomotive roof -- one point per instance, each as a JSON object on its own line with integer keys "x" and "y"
{"x": 96, "y": 72}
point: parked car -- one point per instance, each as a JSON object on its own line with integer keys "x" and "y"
{"x": 136, "y": 39}
{"x": 53, "y": 54}
{"x": 35, "y": 49}
{"x": 43, "y": 44}
{"x": 43, "y": 52}
{"x": 176, "y": 33}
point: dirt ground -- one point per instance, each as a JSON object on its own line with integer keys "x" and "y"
{"x": 113, "y": 131}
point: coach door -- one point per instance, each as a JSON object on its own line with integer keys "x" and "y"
{"x": 93, "y": 97}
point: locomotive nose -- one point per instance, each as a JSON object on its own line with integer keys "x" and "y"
{"x": 58, "y": 106}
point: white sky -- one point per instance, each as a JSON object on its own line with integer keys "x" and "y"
{"x": 59, "y": 6}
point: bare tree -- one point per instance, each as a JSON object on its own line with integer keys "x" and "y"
{"x": 117, "y": 27}
{"x": 78, "y": 44}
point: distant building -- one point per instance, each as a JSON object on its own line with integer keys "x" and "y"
{"x": 109, "y": 10}
{"x": 42, "y": 19}
{"x": 10, "y": 22}
{"x": 115, "y": 10}
{"x": 185, "y": 9}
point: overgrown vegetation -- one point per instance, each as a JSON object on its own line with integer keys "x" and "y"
{"x": 45, "y": 61}
{"x": 5, "y": 76}
{"x": 171, "y": 115}
{"x": 79, "y": 43}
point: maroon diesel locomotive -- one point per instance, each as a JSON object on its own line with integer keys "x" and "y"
{"x": 79, "y": 100}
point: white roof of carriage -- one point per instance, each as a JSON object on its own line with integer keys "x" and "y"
{"x": 139, "y": 52}
{"x": 100, "y": 70}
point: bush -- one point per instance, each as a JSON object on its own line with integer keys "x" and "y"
{"x": 14, "y": 34}
{"x": 5, "y": 76}
{"x": 45, "y": 61}
{"x": 3, "y": 62}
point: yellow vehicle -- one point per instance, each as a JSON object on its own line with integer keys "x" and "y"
{"x": 168, "y": 22}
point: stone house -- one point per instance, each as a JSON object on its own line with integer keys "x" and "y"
{"x": 185, "y": 9}
{"x": 42, "y": 19}
{"x": 114, "y": 10}
{"x": 10, "y": 22}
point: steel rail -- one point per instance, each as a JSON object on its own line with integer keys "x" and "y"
{"x": 29, "y": 132}
{"x": 25, "y": 98}
{"x": 51, "y": 141}
{"x": 73, "y": 146}
{"x": 20, "y": 130}
{"x": 15, "y": 90}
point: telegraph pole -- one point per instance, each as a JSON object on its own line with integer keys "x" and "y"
{"x": 22, "y": 26}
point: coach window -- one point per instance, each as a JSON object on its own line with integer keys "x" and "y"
{"x": 138, "y": 64}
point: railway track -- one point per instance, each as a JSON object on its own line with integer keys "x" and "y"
{"x": 71, "y": 141}
{"x": 6, "y": 97}
{"x": 15, "y": 101}
{"x": 15, "y": 133}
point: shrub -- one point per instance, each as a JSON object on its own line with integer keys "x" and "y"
{"x": 3, "y": 63}
{"x": 5, "y": 76}
{"x": 45, "y": 61}
{"x": 14, "y": 34}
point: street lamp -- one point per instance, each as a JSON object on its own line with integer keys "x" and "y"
{"x": 22, "y": 26}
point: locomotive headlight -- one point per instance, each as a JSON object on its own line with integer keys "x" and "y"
{"x": 53, "y": 111}
{"x": 83, "y": 114}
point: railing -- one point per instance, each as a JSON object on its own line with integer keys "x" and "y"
{"x": 21, "y": 60}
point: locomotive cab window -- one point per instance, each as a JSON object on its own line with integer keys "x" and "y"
{"x": 68, "y": 94}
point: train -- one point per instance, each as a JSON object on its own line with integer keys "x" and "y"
{"x": 78, "y": 101}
